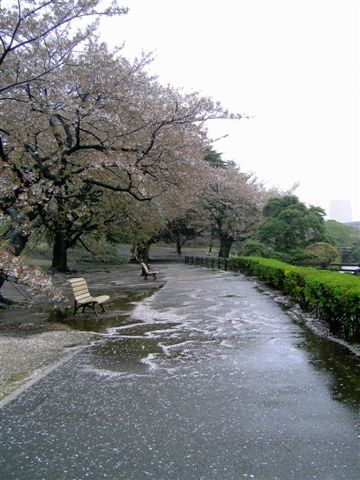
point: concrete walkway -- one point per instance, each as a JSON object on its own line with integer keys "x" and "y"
{"x": 206, "y": 379}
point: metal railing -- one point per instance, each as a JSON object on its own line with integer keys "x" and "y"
{"x": 210, "y": 262}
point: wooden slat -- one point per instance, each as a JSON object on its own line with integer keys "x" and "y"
{"x": 75, "y": 280}
{"x": 80, "y": 289}
{"x": 79, "y": 285}
{"x": 82, "y": 297}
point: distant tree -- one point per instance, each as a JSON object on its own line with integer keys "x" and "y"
{"x": 182, "y": 230}
{"x": 321, "y": 253}
{"x": 176, "y": 216}
{"x": 342, "y": 235}
{"x": 355, "y": 254}
{"x": 232, "y": 201}
{"x": 254, "y": 248}
{"x": 214, "y": 159}
{"x": 290, "y": 224}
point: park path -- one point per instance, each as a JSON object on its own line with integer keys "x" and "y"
{"x": 208, "y": 378}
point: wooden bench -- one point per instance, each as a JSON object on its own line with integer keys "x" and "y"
{"x": 83, "y": 298}
{"x": 146, "y": 272}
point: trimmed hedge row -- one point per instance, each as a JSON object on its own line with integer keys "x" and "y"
{"x": 331, "y": 296}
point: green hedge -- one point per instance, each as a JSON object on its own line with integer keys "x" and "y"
{"x": 333, "y": 297}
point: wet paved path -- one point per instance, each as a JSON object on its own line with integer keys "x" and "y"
{"x": 208, "y": 379}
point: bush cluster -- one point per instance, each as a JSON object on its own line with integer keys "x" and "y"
{"x": 101, "y": 251}
{"x": 331, "y": 296}
{"x": 319, "y": 253}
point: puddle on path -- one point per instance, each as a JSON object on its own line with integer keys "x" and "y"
{"x": 339, "y": 364}
{"x": 117, "y": 313}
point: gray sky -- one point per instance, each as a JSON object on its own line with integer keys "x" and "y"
{"x": 292, "y": 65}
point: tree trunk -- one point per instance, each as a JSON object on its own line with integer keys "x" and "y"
{"x": 60, "y": 248}
{"x": 225, "y": 246}
{"x": 16, "y": 245}
{"x": 178, "y": 246}
{"x": 142, "y": 252}
{"x": 147, "y": 250}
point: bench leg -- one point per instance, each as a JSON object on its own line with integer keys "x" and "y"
{"x": 90, "y": 305}
{"x": 93, "y": 308}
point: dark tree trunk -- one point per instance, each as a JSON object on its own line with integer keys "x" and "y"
{"x": 142, "y": 252}
{"x": 2, "y": 281}
{"x": 225, "y": 246}
{"x": 16, "y": 245}
{"x": 178, "y": 246}
{"x": 147, "y": 250}
{"x": 60, "y": 248}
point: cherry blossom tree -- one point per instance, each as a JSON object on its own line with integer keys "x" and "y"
{"x": 174, "y": 216}
{"x": 15, "y": 269}
{"x": 36, "y": 37}
{"x": 74, "y": 121}
{"x": 101, "y": 121}
{"x": 181, "y": 230}
{"x": 233, "y": 201}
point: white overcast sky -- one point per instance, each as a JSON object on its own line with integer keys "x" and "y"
{"x": 292, "y": 65}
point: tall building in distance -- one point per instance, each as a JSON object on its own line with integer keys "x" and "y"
{"x": 340, "y": 210}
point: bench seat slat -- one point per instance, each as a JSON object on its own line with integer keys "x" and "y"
{"x": 100, "y": 299}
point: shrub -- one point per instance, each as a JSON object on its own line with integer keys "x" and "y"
{"x": 101, "y": 250}
{"x": 355, "y": 255}
{"x": 323, "y": 253}
{"x": 38, "y": 250}
{"x": 333, "y": 297}
{"x": 254, "y": 248}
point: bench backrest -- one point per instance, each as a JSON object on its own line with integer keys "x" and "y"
{"x": 145, "y": 267}
{"x": 80, "y": 288}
